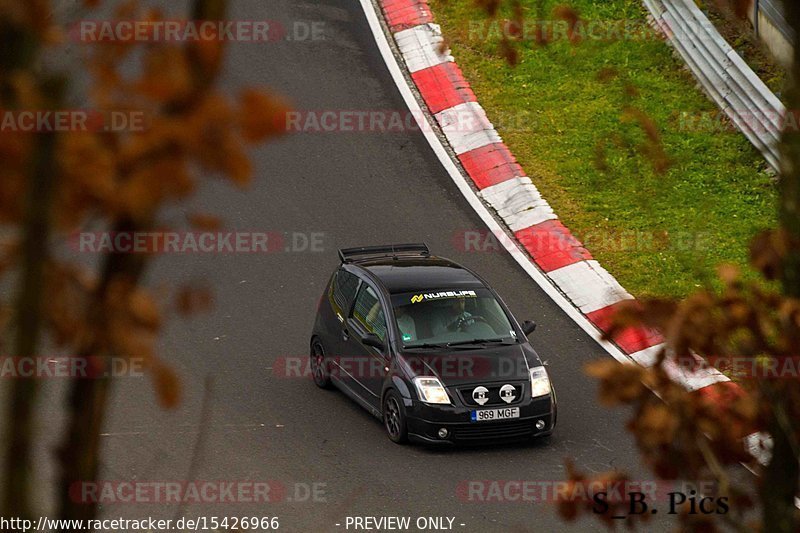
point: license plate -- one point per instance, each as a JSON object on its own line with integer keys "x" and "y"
{"x": 485, "y": 415}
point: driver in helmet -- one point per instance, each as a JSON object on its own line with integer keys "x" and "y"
{"x": 406, "y": 324}
{"x": 460, "y": 317}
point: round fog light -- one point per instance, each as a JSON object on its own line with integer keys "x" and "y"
{"x": 540, "y": 424}
{"x": 443, "y": 433}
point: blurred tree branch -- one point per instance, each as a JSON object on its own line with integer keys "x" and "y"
{"x": 28, "y": 325}
{"x": 80, "y": 452}
{"x": 20, "y": 48}
{"x": 781, "y": 476}
{"x": 701, "y": 435}
{"x": 119, "y": 178}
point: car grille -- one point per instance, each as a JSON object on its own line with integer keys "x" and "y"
{"x": 487, "y": 430}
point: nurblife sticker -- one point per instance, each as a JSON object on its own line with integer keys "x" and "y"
{"x": 442, "y": 294}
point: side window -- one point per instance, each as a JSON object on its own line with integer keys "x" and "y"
{"x": 344, "y": 289}
{"x": 369, "y": 312}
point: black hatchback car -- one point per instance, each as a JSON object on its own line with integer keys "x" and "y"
{"x": 427, "y": 346}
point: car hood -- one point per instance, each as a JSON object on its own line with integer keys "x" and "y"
{"x": 460, "y": 366}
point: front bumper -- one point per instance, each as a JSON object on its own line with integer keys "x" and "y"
{"x": 424, "y": 422}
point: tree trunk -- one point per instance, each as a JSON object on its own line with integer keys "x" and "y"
{"x": 780, "y": 480}
{"x": 28, "y": 320}
{"x": 80, "y": 451}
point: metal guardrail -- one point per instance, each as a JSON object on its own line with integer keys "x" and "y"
{"x": 724, "y": 75}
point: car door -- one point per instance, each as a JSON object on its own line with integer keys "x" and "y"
{"x": 343, "y": 291}
{"x": 370, "y": 364}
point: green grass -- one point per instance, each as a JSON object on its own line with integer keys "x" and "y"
{"x": 557, "y": 115}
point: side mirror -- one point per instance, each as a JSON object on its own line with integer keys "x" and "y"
{"x": 528, "y": 327}
{"x": 370, "y": 339}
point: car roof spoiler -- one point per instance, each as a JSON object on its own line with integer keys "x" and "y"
{"x": 348, "y": 255}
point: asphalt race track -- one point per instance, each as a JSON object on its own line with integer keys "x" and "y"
{"x": 342, "y": 189}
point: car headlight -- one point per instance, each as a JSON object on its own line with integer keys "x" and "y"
{"x": 540, "y": 382}
{"x": 431, "y": 390}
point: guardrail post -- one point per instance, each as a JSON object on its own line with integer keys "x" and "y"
{"x": 756, "y": 11}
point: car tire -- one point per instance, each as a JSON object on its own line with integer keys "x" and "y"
{"x": 394, "y": 418}
{"x": 319, "y": 366}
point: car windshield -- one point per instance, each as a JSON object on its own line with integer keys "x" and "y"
{"x": 450, "y": 316}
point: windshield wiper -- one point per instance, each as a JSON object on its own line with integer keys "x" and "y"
{"x": 438, "y": 346}
{"x": 480, "y": 341}
{"x": 426, "y": 345}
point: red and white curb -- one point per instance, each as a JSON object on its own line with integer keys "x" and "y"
{"x": 539, "y": 242}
